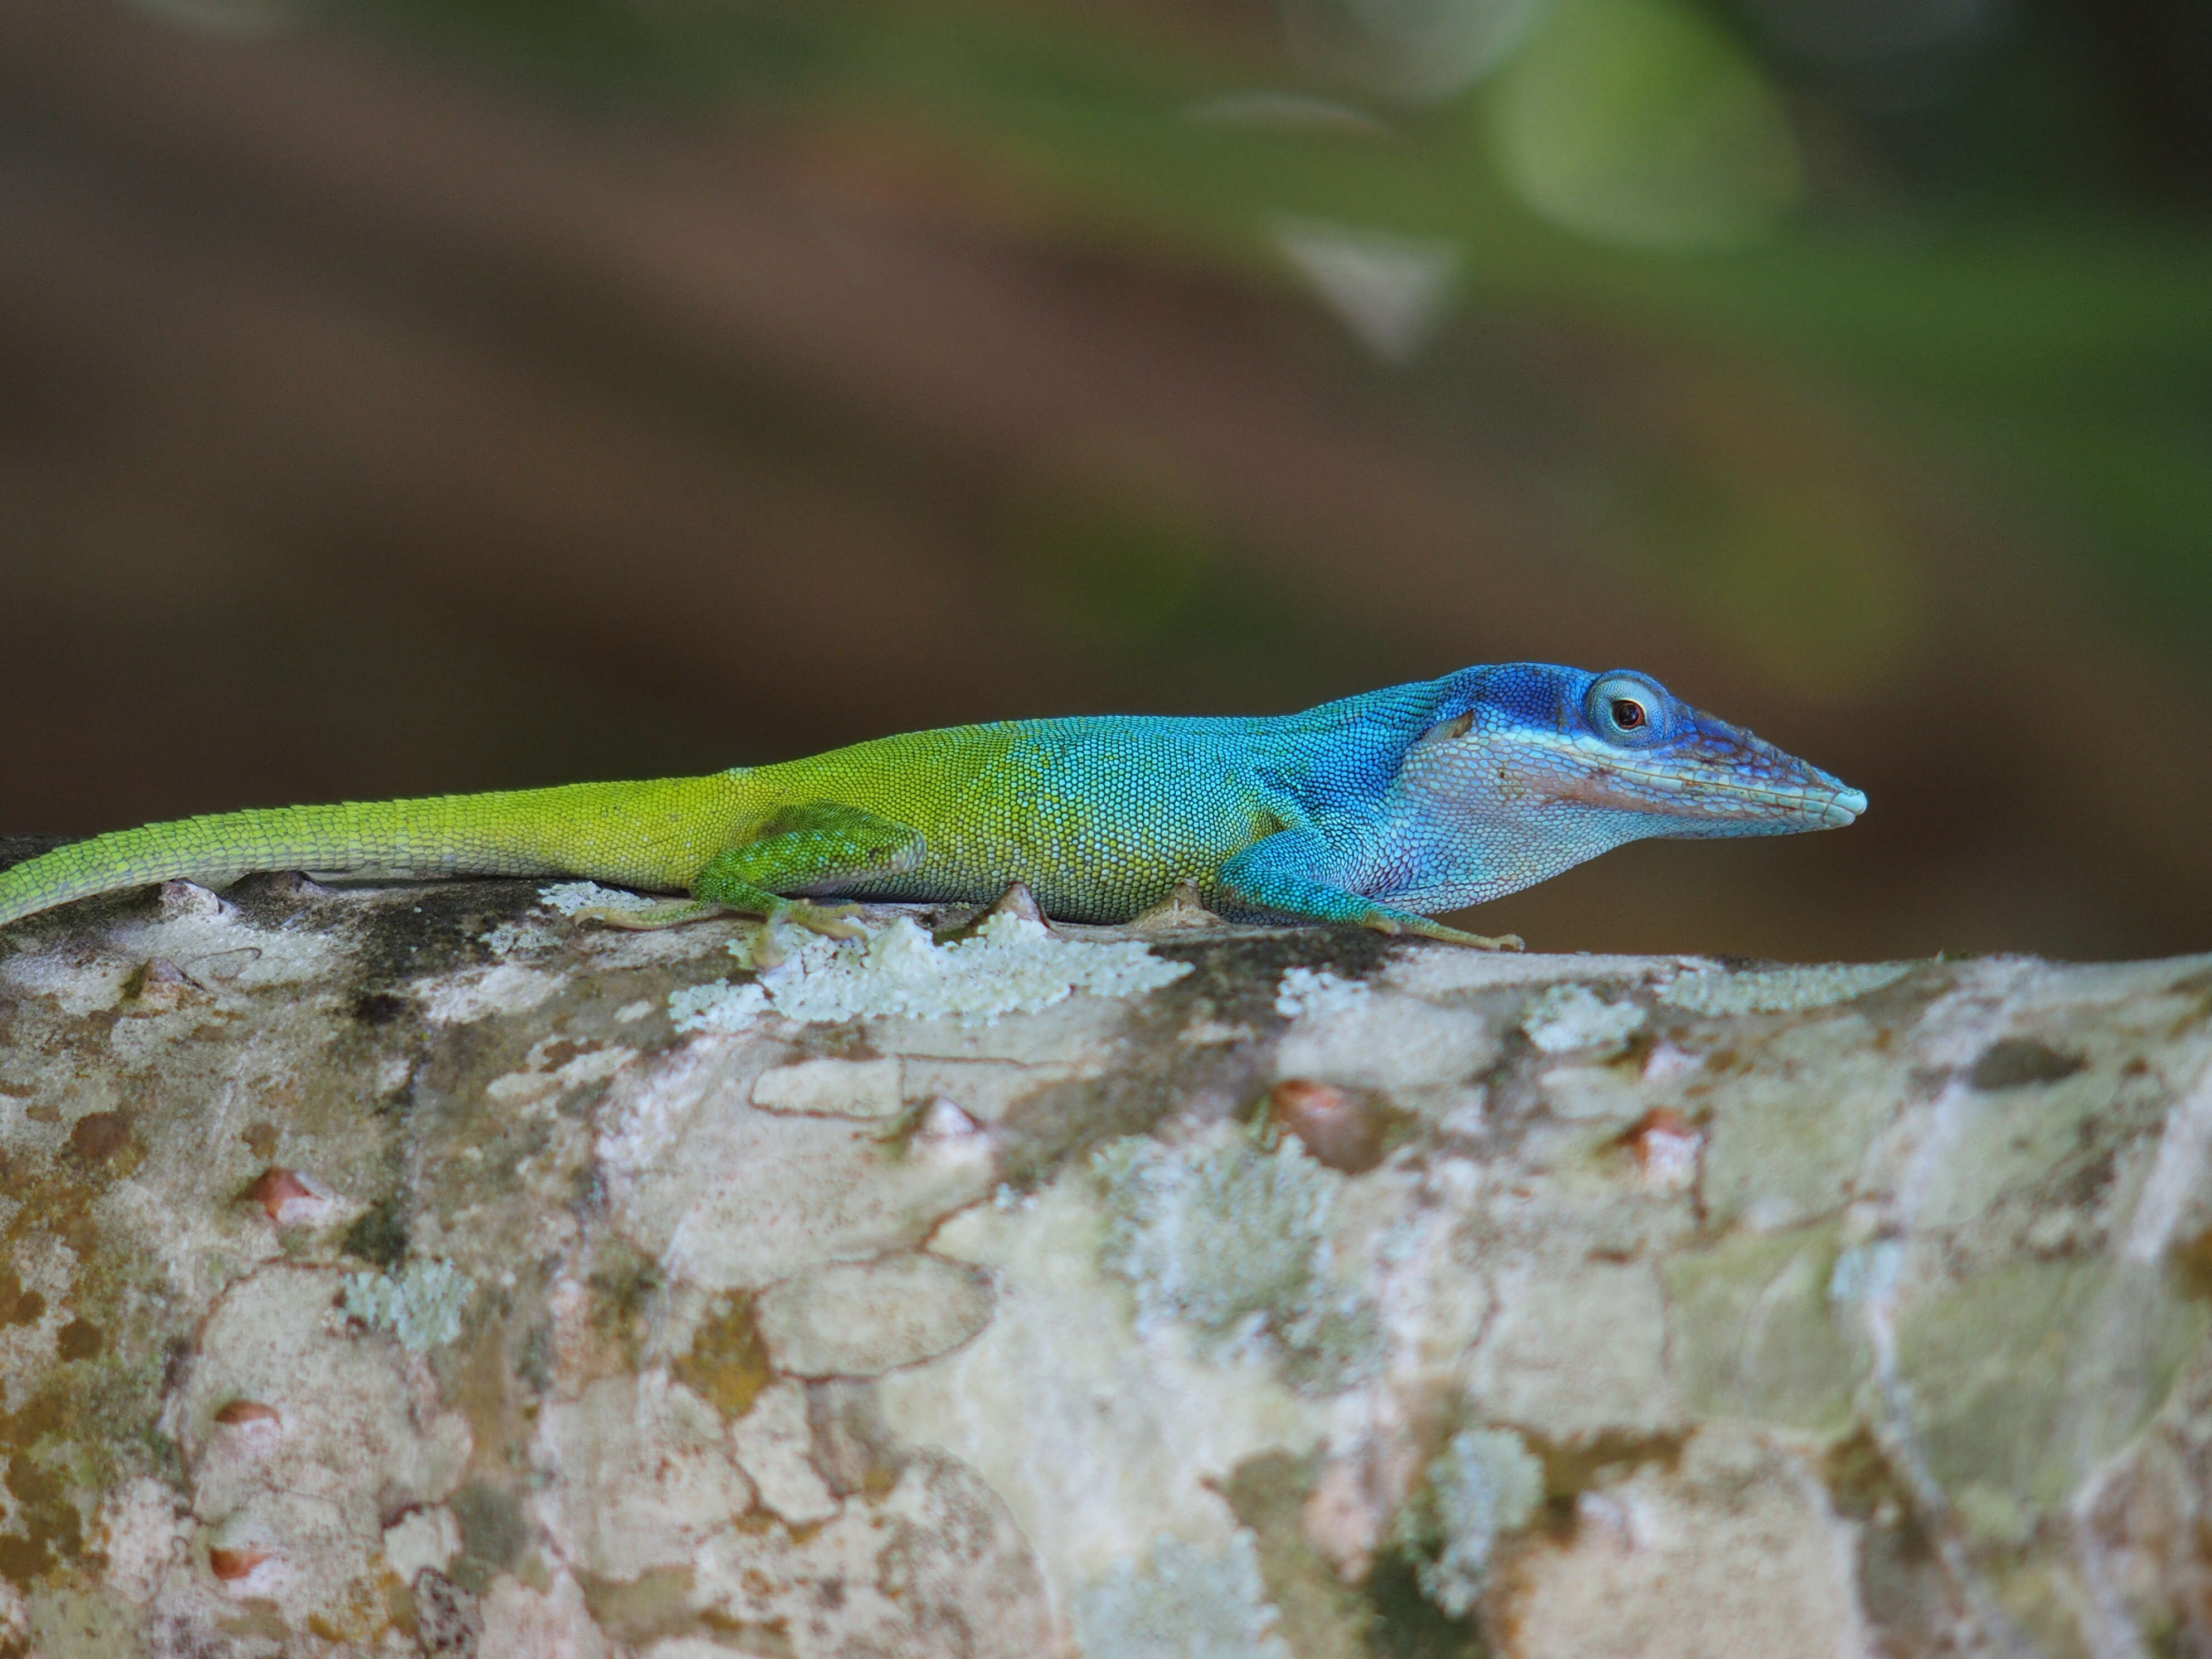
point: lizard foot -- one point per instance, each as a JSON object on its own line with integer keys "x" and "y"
{"x": 650, "y": 918}
{"x": 1475, "y": 941}
{"x": 1181, "y": 911}
{"x": 830, "y": 920}
{"x": 1390, "y": 921}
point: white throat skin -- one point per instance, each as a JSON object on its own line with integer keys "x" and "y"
{"x": 1476, "y": 816}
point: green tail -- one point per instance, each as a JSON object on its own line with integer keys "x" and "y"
{"x": 644, "y": 834}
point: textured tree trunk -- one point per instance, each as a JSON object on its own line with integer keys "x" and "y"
{"x": 415, "y": 1269}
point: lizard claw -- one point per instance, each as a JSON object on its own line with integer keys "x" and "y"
{"x": 830, "y": 920}
{"x": 764, "y": 950}
{"x": 1385, "y": 922}
{"x": 1181, "y": 911}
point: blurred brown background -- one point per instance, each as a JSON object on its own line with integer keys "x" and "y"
{"x": 455, "y": 394}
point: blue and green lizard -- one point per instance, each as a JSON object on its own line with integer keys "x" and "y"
{"x": 1378, "y": 810}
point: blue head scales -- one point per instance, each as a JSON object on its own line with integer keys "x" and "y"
{"x": 1542, "y": 767}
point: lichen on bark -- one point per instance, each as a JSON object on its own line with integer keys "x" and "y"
{"x": 414, "y": 1270}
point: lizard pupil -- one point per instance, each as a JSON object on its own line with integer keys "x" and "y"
{"x": 1627, "y": 714}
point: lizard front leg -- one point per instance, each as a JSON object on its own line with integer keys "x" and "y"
{"x": 805, "y": 848}
{"x": 1279, "y": 874}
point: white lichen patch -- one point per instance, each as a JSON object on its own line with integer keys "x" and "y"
{"x": 862, "y": 1319}
{"x": 1234, "y": 1242}
{"x": 1009, "y": 965}
{"x": 1569, "y": 1016}
{"x": 526, "y": 935}
{"x": 716, "y": 1007}
{"x": 773, "y": 1444}
{"x": 1779, "y": 990}
{"x": 1061, "y": 1395}
{"x": 422, "y": 1305}
{"x": 639, "y": 1474}
{"x": 1195, "y": 1604}
{"x": 507, "y": 988}
{"x": 731, "y": 1197}
{"x": 422, "y": 1538}
{"x": 1487, "y": 1484}
{"x": 865, "y": 1089}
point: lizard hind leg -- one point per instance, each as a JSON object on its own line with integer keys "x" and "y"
{"x": 801, "y": 849}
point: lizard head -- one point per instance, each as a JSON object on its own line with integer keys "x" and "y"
{"x": 1600, "y": 759}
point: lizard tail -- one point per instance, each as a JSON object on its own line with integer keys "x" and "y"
{"x": 646, "y": 835}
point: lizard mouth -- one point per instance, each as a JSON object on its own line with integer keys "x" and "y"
{"x": 1820, "y": 803}
{"x": 1717, "y": 779}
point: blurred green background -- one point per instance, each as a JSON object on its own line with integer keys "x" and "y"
{"x": 450, "y": 394}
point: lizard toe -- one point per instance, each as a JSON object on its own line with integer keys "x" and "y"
{"x": 830, "y": 920}
{"x": 649, "y": 919}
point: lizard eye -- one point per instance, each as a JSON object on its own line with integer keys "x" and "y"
{"x": 1627, "y": 709}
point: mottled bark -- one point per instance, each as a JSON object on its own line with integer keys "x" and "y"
{"x": 413, "y": 1269}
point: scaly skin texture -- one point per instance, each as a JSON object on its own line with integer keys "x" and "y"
{"x": 1379, "y": 810}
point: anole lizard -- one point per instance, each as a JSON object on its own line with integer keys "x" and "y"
{"x": 1379, "y": 810}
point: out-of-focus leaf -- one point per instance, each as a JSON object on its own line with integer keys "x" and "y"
{"x": 1636, "y": 122}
